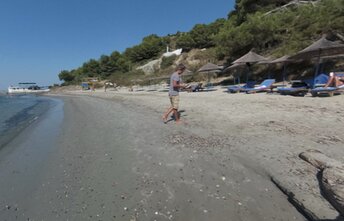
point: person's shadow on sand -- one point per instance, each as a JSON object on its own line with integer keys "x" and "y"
{"x": 172, "y": 117}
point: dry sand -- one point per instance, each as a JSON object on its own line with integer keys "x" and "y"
{"x": 115, "y": 159}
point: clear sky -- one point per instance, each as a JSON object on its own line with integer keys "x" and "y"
{"x": 39, "y": 38}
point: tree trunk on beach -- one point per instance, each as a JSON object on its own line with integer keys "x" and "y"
{"x": 331, "y": 177}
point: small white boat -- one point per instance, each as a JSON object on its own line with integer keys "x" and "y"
{"x": 26, "y": 88}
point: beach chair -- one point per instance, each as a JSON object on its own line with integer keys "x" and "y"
{"x": 197, "y": 87}
{"x": 238, "y": 88}
{"x": 298, "y": 88}
{"x": 208, "y": 87}
{"x": 330, "y": 91}
{"x": 265, "y": 86}
{"x": 302, "y": 87}
{"x": 318, "y": 81}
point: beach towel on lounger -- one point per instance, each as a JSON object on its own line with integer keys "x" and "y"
{"x": 298, "y": 88}
{"x": 264, "y": 86}
{"x": 238, "y": 88}
{"x": 318, "y": 81}
{"x": 327, "y": 90}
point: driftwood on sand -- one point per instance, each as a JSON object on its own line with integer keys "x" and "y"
{"x": 331, "y": 177}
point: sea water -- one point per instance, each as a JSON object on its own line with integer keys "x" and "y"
{"x": 17, "y": 112}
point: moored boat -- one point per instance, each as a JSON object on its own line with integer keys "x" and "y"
{"x": 27, "y": 88}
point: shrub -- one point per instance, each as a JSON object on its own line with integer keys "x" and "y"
{"x": 167, "y": 61}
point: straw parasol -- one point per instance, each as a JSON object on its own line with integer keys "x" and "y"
{"x": 210, "y": 68}
{"x": 319, "y": 49}
{"x": 248, "y": 59}
{"x": 284, "y": 60}
{"x": 235, "y": 67}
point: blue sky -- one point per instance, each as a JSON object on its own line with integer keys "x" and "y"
{"x": 39, "y": 38}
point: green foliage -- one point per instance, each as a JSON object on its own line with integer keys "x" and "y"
{"x": 185, "y": 41}
{"x": 208, "y": 55}
{"x": 246, "y": 7}
{"x": 128, "y": 78}
{"x": 257, "y": 32}
{"x": 167, "y": 61}
{"x": 91, "y": 68}
{"x": 66, "y": 76}
{"x": 201, "y": 36}
{"x": 150, "y": 47}
{"x": 282, "y": 32}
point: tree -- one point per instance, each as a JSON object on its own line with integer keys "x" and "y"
{"x": 185, "y": 41}
{"x": 150, "y": 47}
{"x": 91, "y": 68}
{"x": 105, "y": 66}
{"x": 242, "y": 8}
{"x": 66, "y": 76}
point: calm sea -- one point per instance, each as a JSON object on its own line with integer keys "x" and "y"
{"x": 17, "y": 112}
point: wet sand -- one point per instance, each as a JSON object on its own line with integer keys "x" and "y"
{"x": 114, "y": 159}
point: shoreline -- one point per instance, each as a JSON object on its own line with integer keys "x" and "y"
{"x": 26, "y": 117}
{"x": 24, "y": 160}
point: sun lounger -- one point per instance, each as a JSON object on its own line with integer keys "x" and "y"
{"x": 265, "y": 86}
{"x": 302, "y": 87}
{"x": 330, "y": 91}
{"x": 318, "y": 81}
{"x": 197, "y": 87}
{"x": 209, "y": 87}
{"x": 238, "y": 88}
{"x": 298, "y": 88}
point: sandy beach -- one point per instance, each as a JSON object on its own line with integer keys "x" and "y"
{"x": 231, "y": 159}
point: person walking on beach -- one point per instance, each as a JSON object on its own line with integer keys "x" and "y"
{"x": 175, "y": 86}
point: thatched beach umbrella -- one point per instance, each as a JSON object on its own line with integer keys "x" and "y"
{"x": 248, "y": 59}
{"x": 318, "y": 50}
{"x": 235, "y": 67}
{"x": 284, "y": 60}
{"x": 187, "y": 73}
{"x": 210, "y": 68}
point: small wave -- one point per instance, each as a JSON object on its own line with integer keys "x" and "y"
{"x": 34, "y": 119}
{"x": 12, "y": 126}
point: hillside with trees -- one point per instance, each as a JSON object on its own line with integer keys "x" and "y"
{"x": 272, "y": 28}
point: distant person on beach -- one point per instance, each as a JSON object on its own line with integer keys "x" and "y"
{"x": 335, "y": 80}
{"x": 173, "y": 93}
